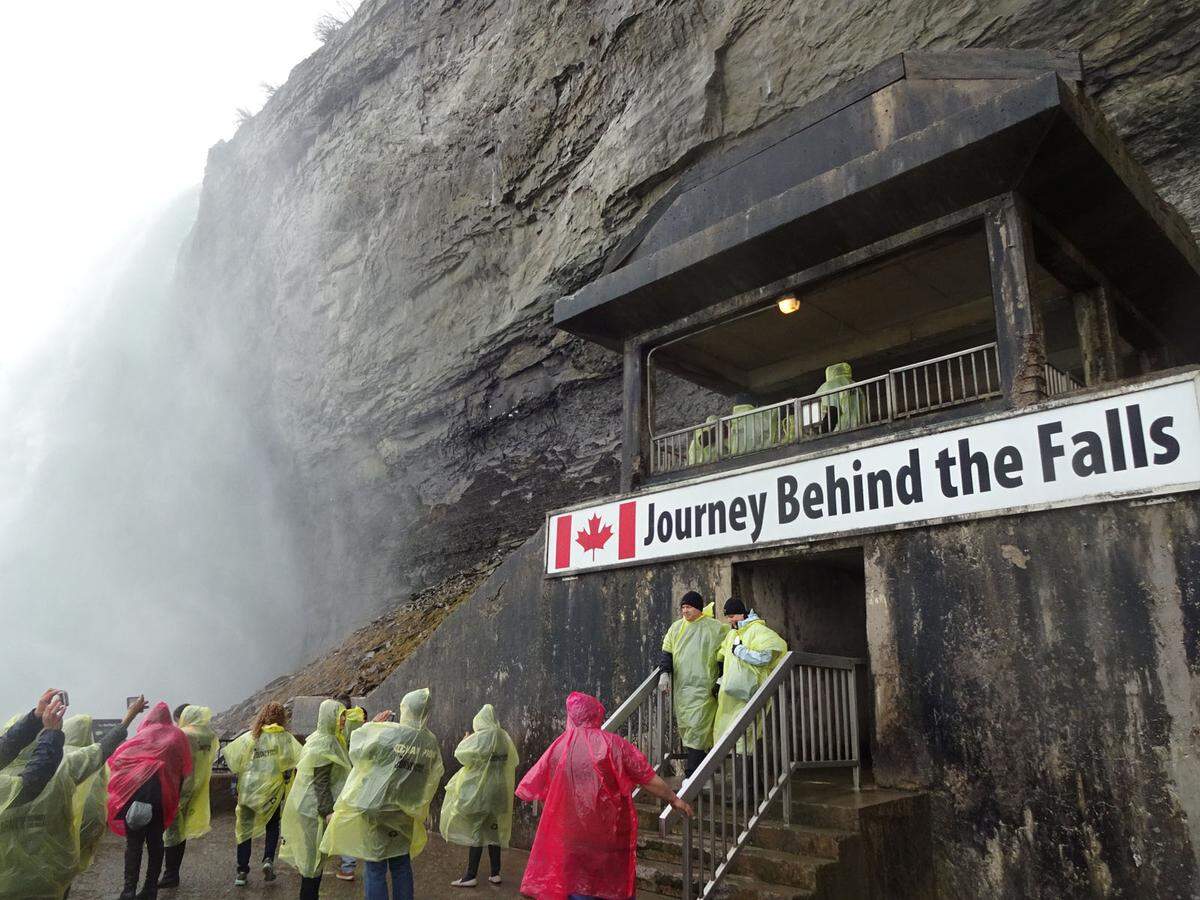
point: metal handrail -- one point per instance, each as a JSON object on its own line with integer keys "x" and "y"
{"x": 804, "y": 715}
{"x": 648, "y": 721}
{"x": 878, "y": 400}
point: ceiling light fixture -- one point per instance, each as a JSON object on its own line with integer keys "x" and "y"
{"x": 788, "y": 304}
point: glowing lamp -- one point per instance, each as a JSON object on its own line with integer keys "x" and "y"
{"x": 788, "y": 304}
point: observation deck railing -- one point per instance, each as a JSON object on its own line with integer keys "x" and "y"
{"x": 963, "y": 377}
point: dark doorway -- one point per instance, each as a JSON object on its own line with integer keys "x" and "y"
{"x": 818, "y": 603}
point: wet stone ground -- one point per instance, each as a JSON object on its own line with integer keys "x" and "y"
{"x": 208, "y": 870}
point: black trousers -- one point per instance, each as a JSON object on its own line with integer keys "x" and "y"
{"x": 692, "y": 760}
{"x": 151, "y": 837}
{"x": 475, "y": 854}
{"x": 310, "y": 888}
{"x": 173, "y": 858}
{"x": 243, "y": 849}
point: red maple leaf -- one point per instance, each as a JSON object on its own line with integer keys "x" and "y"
{"x": 595, "y": 537}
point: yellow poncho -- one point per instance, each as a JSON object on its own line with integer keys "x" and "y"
{"x": 39, "y": 840}
{"x": 693, "y": 647}
{"x": 397, "y": 767}
{"x": 261, "y": 767}
{"x": 91, "y": 794}
{"x": 195, "y": 805}
{"x": 755, "y": 635}
{"x": 477, "y": 809}
{"x": 302, "y": 825}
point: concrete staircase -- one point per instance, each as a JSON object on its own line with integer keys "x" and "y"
{"x": 840, "y": 844}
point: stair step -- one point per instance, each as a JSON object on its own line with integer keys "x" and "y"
{"x": 666, "y": 878}
{"x": 768, "y": 834}
{"x": 772, "y": 866}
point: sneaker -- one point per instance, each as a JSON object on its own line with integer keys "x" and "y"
{"x": 464, "y": 882}
{"x": 242, "y": 878}
{"x": 495, "y": 879}
{"x": 345, "y": 876}
{"x": 268, "y": 870}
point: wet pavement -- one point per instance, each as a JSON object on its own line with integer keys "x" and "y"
{"x": 208, "y": 870}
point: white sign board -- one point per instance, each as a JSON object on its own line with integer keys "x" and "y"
{"x": 1140, "y": 442}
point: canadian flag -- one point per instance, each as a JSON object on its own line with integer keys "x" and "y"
{"x": 584, "y": 538}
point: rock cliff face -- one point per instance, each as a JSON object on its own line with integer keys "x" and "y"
{"x": 381, "y": 246}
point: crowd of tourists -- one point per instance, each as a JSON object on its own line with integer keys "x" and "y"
{"x": 360, "y": 790}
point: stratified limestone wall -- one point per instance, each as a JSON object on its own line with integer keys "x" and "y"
{"x": 1040, "y": 675}
{"x": 378, "y": 250}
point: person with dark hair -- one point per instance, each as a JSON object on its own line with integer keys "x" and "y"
{"x": 689, "y": 665}
{"x": 747, "y": 655}
{"x": 194, "y": 804}
{"x": 264, "y": 759}
{"x": 146, "y": 774}
{"x": 178, "y": 711}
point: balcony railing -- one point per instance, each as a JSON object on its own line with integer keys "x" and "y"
{"x": 1059, "y": 382}
{"x": 963, "y": 377}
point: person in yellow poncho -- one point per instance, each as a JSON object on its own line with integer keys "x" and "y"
{"x": 841, "y": 410}
{"x": 353, "y": 718}
{"x": 689, "y": 659}
{"x": 192, "y": 821}
{"x": 263, "y": 759}
{"x": 477, "y": 809}
{"x": 320, "y": 775}
{"x": 748, "y": 653}
{"x": 39, "y": 839}
{"x": 378, "y": 817}
{"x": 91, "y": 794}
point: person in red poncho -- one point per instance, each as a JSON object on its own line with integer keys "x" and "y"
{"x": 587, "y": 834}
{"x": 143, "y": 794}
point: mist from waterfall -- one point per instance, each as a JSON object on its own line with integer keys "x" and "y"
{"x": 145, "y": 538}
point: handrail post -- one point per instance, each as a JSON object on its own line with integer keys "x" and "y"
{"x": 785, "y": 716}
{"x": 687, "y": 860}
{"x": 854, "y": 724}
{"x": 660, "y": 703}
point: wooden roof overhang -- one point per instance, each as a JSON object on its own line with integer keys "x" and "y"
{"x": 919, "y": 137}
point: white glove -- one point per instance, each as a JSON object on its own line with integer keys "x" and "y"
{"x": 664, "y": 683}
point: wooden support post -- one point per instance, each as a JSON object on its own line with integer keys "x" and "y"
{"x": 1096, "y": 323}
{"x": 635, "y": 442}
{"x": 1019, "y": 339}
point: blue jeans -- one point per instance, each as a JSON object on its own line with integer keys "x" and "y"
{"x": 375, "y": 882}
{"x": 348, "y": 864}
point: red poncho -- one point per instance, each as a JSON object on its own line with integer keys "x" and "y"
{"x": 159, "y": 747}
{"x": 587, "y": 836}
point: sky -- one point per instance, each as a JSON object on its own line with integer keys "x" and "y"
{"x": 109, "y": 111}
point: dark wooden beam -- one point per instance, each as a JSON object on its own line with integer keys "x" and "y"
{"x": 635, "y": 443}
{"x": 1019, "y": 339}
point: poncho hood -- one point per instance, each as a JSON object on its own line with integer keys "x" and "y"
{"x": 584, "y": 711}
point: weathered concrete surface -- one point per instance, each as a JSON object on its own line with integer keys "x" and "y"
{"x": 1039, "y": 675}
{"x": 380, "y": 247}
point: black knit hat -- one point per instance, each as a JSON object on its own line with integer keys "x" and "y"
{"x": 735, "y": 607}
{"x": 692, "y": 598}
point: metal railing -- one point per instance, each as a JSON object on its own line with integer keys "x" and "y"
{"x": 949, "y": 380}
{"x": 647, "y": 721}
{"x": 932, "y": 384}
{"x": 805, "y": 715}
{"x": 1059, "y": 382}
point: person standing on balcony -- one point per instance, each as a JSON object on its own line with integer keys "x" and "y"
{"x": 703, "y": 448}
{"x": 841, "y": 410}
{"x": 689, "y": 661}
{"x": 748, "y": 653}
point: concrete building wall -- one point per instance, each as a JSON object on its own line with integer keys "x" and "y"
{"x": 1037, "y": 674}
